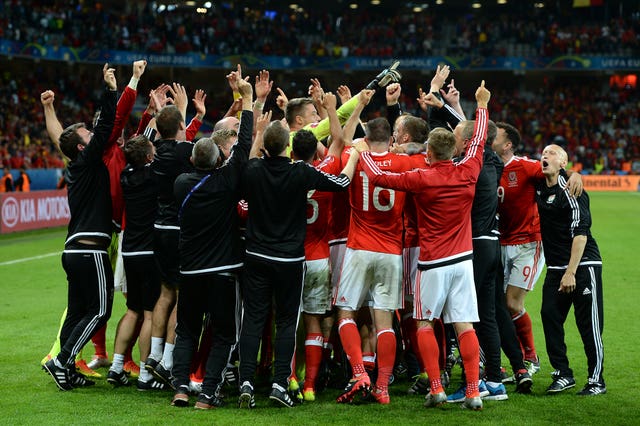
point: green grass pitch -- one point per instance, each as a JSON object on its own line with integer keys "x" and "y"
{"x": 34, "y": 294}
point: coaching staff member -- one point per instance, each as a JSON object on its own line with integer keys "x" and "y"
{"x": 85, "y": 259}
{"x": 210, "y": 257}
{"x": 574, "y": 275}
{"x": 276, "y": 191}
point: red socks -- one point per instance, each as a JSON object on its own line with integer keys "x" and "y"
{"x": 313, "y": 344}
{"x": 429, "y": 352}
{"x": 351, "y": 344}
{"x": 470, "y": 352}
{"x": 99, "y": 341}
{"x": 386, "y": 356}
{"x": 524, "y": 330}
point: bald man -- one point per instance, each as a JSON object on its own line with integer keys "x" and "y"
{"x": 574, "y": 275}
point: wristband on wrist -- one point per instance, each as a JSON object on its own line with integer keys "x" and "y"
{"x": 133, "y": 83}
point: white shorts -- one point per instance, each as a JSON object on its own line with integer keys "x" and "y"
{"x": 410, "y": 268}
{"x": 523, "y": 264}
{"x": 447, "y": 292}
{"x": 336, "y": 255}
{"x": 367, "y": 272}
{"x": 316, "y": 293}
{"x": 119, "y": 276}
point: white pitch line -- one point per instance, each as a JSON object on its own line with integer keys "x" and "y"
{"x": 27, "y": 259}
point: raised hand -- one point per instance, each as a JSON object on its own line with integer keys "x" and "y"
{"x": 47, "y": 97}
{"x": 329, "y": 101}
{"x": 263, "y": 121}
{"x": 452, "y": 96}
{"x": 198, "y": 102}
{"x": 482, "y": 96}
{"x": 393, "y": 93}
{"x": 180, "y": 98}
{"x": 263, "y": 85}
{"x": 231, "y": 78}
{"x": 364, "y": 97}
{"x": 282, "y": 99}
{"x": 109, "y": 76}
{"x": 138, "y": 68}
{"x": 344, "y": 93}
{"x": 315, "y": 91}
{"x": 441, "y": 76}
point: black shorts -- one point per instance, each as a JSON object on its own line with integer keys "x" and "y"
{"x": 143, "y": 282}
{"x": 165, "y": 250}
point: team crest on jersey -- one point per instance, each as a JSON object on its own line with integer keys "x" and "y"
{"x": 551, "y": 198}
{"x": 513, "y": 179}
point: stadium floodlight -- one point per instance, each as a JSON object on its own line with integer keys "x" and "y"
{"x": 375, "y": 2}
{"x": 417, "y": 9}
{"x": 502, "y": 1}
{"x": 208, "y": 5}
{"x": 539, "y": 5}
{"x": 353, "y": 5}
{"x": 476, "y": 5}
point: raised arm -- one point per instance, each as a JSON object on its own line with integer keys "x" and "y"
{"x": 393, "y": 92}
{"x": 452, "y": 96}
{"x": 54, "y": 127}
{"x": 104, "y": 126}
{"x": 364, "y": 97}
{"x": 262, "y": 89}
{"x": 180, "y": 98}
{"x": 194, "y": 125}
{"x": 246, "y": 124}
{"x": 258, "y": 143}
{"x": 316, "y": 92}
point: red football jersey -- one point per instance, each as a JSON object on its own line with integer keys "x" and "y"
{"x": 519, "y": 221}
{"x": 443, "y": 195}
{"x": 418, "y": 161}
{"x": 316, "y": 242}
{"x": 376, "y": 212}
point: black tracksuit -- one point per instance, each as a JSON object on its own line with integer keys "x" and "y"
{"x": 561, "y": 219}
{"x": 210, "y": 260}
{"x": 170, "y": 160}
{"x": 89, "y": 274}
{"x": 276, "y": 191}
{"x": 140, "y": 193}
{"x": 486, "y": 259}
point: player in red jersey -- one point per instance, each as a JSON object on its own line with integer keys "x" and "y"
{"x": 316, "y": 295}
{"x": 372, "y": 264}
{"x": 444, "y": 286}
{"x": 522, "y": 255}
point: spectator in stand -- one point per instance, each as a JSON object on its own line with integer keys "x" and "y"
{"x": 23, "y": 183}
{"x": 6, "y": 182}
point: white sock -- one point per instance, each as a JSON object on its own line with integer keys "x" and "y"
{"x": 145, "y": 376}
{"x": 156, "y": 348}
{"x": 118, "y": 363}
{"x": 167, "y": 356}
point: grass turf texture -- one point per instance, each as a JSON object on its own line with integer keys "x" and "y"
{"x": 34, "y": 298}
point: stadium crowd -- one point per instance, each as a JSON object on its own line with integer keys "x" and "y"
{"x": 226, "y": 29}
{"x": 597, "y": 124}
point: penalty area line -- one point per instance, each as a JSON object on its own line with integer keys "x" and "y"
{"x": 27, "y": 259}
